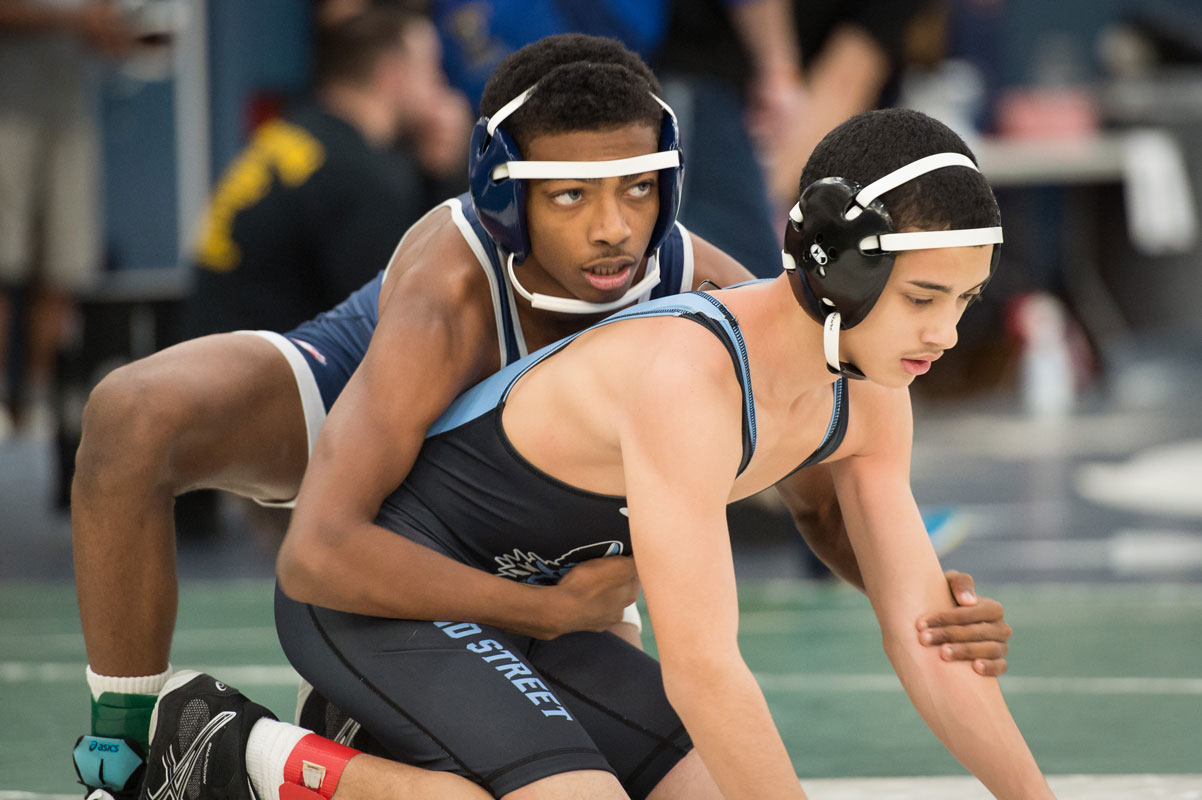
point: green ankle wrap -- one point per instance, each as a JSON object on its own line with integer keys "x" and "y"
{"x": 123, "y": 716}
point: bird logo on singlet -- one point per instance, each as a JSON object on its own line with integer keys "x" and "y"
{"x": 530, "y": 567}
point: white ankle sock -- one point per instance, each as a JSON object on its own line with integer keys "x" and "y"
{"x": 141, "y": 684}
{"x": 267, "y": 750}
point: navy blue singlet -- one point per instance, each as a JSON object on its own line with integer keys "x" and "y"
{"x": 334, "y": 343}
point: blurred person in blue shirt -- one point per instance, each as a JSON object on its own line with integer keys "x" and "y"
{"x": 477, "y": 34}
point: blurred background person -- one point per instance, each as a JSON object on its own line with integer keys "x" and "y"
{"x": 852, "y": 53}
{"x": 50, "y": 215}
{"x": 477, "y": 34}
{"x": 315, "y": 204}
{"x": 726, "y": 66}
{"x": 756, "y": 84}
{"x": 721, "y": 63}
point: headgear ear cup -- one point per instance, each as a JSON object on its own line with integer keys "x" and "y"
{"x": 826, "y": 248}
{"x": 501, "y": 205}
{"x": 671, "y": 181}
{"x": 501, "y": 202}
{"x": 842, "y": 243}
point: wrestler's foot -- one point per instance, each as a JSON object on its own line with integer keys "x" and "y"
{"x": 323, "y": 717}
{"x": 198, "y": 734}
{"x": 109, "y": 768}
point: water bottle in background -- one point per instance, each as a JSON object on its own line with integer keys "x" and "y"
{"x": 1047, "y": 372}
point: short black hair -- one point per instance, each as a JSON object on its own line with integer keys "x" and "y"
{"x": 348, "y": 50}
{"x": 871, "y": 145}
{"x": 583, "y": 83}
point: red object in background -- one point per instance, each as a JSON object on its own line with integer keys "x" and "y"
{"x": 262, "y": 106}
{"x": 1036, "y": 320}
{"x": 1059, "y": 113}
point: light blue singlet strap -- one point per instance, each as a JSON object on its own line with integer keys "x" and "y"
{"x": 492, "y": 391}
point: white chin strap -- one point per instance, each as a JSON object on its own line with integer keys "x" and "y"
{"x": 571, "y": 305}
{"x": 830, "y": 341}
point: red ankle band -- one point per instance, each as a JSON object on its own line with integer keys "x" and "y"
{"x": 316, "y": 763}
{"x": 290, "y": 791}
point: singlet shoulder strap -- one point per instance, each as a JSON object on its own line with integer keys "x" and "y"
{"x": 696, "y": 306}
{"x": 489, "y": 258}
{"x": 731, "y": 335}
{"x": 835, "y": 430}
{"x": 675, "y": 264}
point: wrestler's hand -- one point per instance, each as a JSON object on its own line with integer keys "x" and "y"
{"x": 973, "y": 631}
{"x": 441, "y": 132}
{"x": 592, "y": 595}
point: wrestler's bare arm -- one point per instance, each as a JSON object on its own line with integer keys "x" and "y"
{"x": 973, "y": 631}
{"x": 677, "y": 488}
{"x": 903, "y": 579}
{"x": 712, "y": 267}
{"x": 435, "y": 338}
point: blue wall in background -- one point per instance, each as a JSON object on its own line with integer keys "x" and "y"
{"x": 253, "y": 46}
{"x": 139, "y": 173}
{"x": 1030, "y": 24}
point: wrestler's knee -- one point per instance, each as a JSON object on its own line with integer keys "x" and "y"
{"x": 132, "y": 422}
{"x": 688, "y": 779}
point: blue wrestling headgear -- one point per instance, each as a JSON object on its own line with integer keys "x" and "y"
{"x": 842, "y": 237}
{"x": 496, "y": 173}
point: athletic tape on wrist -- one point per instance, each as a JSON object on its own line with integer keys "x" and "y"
{"x": 316, "y": 763}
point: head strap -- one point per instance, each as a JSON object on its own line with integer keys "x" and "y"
{"x": 586, "y": 170}
{"x": 581, "y": 170}
{"x": 930, "y": 240}
{"x": 905, "y": 174}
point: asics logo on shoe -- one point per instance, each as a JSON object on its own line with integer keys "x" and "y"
{"x": 104, "y": 747}
{"x": 178, "y": 771}
{"x": 221, "y": 687}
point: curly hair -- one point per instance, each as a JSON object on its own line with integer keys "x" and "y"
{"x": 581, "y": 83}
{"x": 871, "y": 145}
